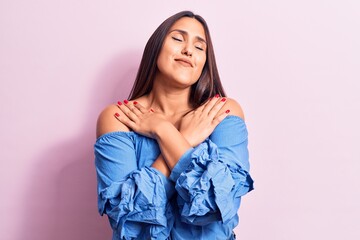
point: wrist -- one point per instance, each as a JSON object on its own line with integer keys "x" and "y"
{"x": 162, "y": 129}
{"x": 188, "y": 138}
{"x": 172, "y": 144}
{"x": 160, "y": 165}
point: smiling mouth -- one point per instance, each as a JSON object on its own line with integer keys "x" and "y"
{"x": 183, "y": 62}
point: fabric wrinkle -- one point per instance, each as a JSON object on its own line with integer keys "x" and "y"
{"x": 199, "y": 200}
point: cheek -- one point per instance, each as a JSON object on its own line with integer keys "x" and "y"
{"x": 201, "y": 64}
{"x": 159, "y": 60}
{"x": 165, "y": 56}
{"x": 169, "y": 48}
{"x": 162, "y": 60}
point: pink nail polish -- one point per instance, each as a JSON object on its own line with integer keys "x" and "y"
{"x": 227, "y": 111}
{"x": 117, "y": 115}
{"x": 119, "y": 103}
{"x": 126, "y": 101}
{"x": 135, "y": 102}
{"x": 223, "y": 99}
{"x": 217, "y": 95}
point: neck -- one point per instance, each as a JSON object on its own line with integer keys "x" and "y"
{"x": 168, "y": 101}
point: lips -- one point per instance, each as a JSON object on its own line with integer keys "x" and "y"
{"x": 185, "y": 62}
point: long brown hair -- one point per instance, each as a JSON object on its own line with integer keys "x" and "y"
{"x": 209, "y": 82}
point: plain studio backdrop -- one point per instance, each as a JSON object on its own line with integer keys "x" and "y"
{"x": 294, "y": 66}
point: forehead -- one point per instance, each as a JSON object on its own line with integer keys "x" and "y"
{"x": 189, "y": 25}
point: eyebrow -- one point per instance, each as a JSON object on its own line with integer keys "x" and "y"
{"x": 186, "y": 33}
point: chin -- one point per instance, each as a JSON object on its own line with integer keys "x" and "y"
{"x": 185, "y": 78}
{"x": 185, "y": 81}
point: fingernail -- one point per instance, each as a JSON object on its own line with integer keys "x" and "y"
{"x": 117, "y": 115}
{"x": 119, "y": 103}
{"x": 227, "y": 111}
{"x": 126, "y": 101}
{"x": 223, "y": 99}
{"x": 210, "y": 98}
{"x": 217, "y": 95}
{"x": 135, "y": 102}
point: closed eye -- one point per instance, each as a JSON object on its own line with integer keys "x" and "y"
{"x": 177, "y": 39}
{"x": 199, "y": 48}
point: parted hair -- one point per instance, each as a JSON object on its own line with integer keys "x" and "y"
{"x": 208, "y": 83}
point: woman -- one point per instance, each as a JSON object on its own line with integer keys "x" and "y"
{"x": 172, "y": 163}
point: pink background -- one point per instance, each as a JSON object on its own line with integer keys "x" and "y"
{"x": 293, "y": 65}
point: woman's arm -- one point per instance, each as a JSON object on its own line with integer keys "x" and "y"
{"x": 195, "y": 127}
{"x": 220, "y": 165}
{"x": 211, "y": 179}
{"x": 107, "y": 123}
{"x": 133, "y": 198}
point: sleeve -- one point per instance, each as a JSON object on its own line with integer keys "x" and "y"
{"x": 135, "y": 200}
{"x": 211, "y": 178}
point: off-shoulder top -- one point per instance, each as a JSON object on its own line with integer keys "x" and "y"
{"x": 200, "y": 198}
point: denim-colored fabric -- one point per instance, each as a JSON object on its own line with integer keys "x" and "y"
{"x": 199, "y": 200}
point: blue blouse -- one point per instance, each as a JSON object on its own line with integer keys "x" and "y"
{"x": 199, "y": 200}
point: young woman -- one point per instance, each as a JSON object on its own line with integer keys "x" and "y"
{"x": 172, "y": 162}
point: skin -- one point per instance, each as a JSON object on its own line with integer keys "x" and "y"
{"x": 165, "y": 114}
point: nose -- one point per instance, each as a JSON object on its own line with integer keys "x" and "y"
{"x": 186, "y": 51}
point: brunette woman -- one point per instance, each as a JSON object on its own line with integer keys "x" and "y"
{"x": 172, "y": 161}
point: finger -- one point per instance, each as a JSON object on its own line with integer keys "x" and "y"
{"x": 202, "y": 106}
{"x": 217, "y": 106}
{"x": 125, "y": 120}
{"x": 140, "y": 107}
{"x": 216, "y": 109}
{"x": 126, "y": 108}
{"x": 210, "y": 104}
{"x": 219, "y": 118}
{"x": 133, "y": 107}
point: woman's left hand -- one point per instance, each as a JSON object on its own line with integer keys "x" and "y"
{"x": 197, "y": 125}
{"x": 139, "y": 119}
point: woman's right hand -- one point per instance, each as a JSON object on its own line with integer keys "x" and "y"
{"x": 198, "y": 124}
{"x": 154, "y": 125}
{"x": 139, "y": 119}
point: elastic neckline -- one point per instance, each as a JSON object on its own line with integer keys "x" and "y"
{"x": 131, "y": 133}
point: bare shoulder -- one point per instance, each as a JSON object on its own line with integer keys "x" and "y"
{"x": 108, "y": 123}
{"x": 234, "y": 107}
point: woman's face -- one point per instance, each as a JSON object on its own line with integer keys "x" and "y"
{"x": 183, "y": 54}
